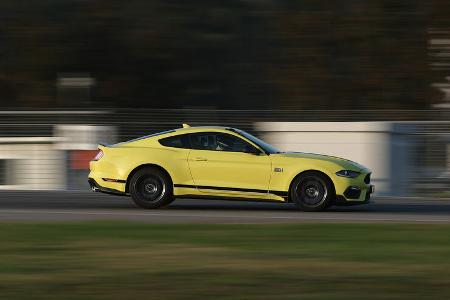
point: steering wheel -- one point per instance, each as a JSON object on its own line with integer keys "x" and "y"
{"x": 222, "y": 145}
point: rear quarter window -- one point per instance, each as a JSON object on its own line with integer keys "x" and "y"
{"x": 178, "y": 141}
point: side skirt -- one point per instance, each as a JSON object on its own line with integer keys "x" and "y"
{"x": 228, "y": 198}
{"x": 218, "y": 188}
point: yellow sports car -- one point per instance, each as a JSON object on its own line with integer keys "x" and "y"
{"x": 228, "y": 163}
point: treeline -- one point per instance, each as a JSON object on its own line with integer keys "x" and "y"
{"x": 235, "y": 54}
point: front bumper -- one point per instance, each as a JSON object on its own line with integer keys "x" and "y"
{"x": 355, "y": 195}
{"x": 354, "y": 192}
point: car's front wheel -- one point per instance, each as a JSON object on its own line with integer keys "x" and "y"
{"x": 312, "y": 191}
{"x": 151, "y": 188}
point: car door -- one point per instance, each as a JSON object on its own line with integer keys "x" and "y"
{"x": 222, "y": 163}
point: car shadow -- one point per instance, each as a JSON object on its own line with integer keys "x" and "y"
{"x": 79, "y": 200}
{"x": 385, "y": 206}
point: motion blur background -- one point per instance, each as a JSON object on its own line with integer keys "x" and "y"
{"x": 365, "y": 80}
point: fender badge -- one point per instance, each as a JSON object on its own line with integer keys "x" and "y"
{"x": 278, "y": 169}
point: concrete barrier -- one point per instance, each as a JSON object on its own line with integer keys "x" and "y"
{"x": 31, "y": 163}
{"x": 51, "y": 162}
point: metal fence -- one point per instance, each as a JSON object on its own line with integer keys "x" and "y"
{"x": 136, "y": 122}
{"x": 36, "y": 129}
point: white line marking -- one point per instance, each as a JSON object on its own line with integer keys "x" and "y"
{"x": 302, "y": 217}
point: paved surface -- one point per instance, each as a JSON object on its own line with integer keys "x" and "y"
{"x": 75, "y": 206}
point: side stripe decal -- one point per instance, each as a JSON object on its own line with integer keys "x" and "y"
{"x": 278, "y": 193}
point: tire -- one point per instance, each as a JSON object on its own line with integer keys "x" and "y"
{"x": 312, "y": 191}
{"x": 151, "y": 188}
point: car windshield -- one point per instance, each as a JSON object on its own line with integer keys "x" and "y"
{"x": 265, "y": 146}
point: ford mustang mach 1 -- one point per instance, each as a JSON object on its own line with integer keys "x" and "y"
{"x": 227, "y": 163}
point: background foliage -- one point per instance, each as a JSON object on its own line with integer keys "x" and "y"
{"x": 268, "y": 54}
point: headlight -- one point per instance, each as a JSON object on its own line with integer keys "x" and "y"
{"x": 347, "y": 173}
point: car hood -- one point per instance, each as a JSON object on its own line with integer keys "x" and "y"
{"x": 345, "y": 163}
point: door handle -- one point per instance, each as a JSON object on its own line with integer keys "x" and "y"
{"x": 200, "y": 159}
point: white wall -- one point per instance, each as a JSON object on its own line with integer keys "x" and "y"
{"x": 41, "y": 163}
{"x": 32, "y": 164}
{"x": 83, "y": 137}
{"x": 381, "y": 146}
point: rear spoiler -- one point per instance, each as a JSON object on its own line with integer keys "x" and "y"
{"x": 102, "y": 146}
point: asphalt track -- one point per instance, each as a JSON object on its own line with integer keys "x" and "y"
{"x": 79, "y": 206}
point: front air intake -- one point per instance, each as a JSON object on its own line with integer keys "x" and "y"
{"x": 367, "y": 179}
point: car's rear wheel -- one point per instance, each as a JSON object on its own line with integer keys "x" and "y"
{"x": 151, "y": 188}
{"x": 312, "y": 191}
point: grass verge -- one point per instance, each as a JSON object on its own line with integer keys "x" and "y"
{"x": 108, "y": 260}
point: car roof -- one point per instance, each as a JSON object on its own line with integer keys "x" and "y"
{"x": 178, "y": 131}
{"x": 203, "y": 129}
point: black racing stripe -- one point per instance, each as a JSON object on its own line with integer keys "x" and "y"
{"x": 231, "y": 189}
{"x": 219, "y": 188}
{"x": 185, "y": 186}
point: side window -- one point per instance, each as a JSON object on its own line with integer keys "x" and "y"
{"x": 203, "y": 141}
{"x": 219, "y": 142}
{"x": 178, "y": 141}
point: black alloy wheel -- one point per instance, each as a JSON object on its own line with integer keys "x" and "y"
{"x": 151, "y": 188}
{"x": 312, "y": 191}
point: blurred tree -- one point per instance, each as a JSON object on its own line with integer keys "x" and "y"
{"x": 354, "y": 54}
{"x": 237, "y": 54}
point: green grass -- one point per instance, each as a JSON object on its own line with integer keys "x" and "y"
{"x": 99, "y": 260}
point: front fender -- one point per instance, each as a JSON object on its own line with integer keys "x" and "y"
{"x": 291, "y": 168}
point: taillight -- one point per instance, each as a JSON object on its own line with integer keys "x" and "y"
{"x": 98, "y": 155}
